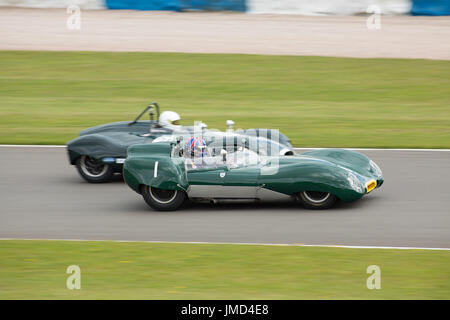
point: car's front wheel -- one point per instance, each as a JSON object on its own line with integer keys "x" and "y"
{"x": 93, "y": 170}
{"x": 163, "y": 200}
{"x": 316, "y": 199}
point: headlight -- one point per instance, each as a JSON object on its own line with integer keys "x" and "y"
{"x": 375, "y": 169}
{"x": 354, "y": 182}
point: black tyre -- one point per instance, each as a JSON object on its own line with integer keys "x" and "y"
{"x": 316, "y": 199}
{"x": 93, "y": 170}
{"x": 163, "y": 200}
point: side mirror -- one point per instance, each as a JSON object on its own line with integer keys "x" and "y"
{"x": 230, "y": 124}
{"x": 223, "y": 153}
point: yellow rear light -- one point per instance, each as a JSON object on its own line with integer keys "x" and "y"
{"x": 370, "y": 185}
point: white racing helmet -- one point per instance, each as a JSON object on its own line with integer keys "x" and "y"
{"x": 169, "y": 119}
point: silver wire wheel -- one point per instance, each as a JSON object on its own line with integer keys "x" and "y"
{"x": 162, "y": 199}
{"x": 92, "y": 167}
{"x": 93, "y": 170}
{"x": 316, "y": 196}
{"x": 316, "y": 199}
{"x": 162, "y": 196}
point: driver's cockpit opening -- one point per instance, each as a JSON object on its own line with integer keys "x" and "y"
{"x": 234, "y": 158}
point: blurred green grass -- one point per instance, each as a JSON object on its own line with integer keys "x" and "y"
{"x": 31, "y": 269}
{"x": 48, "y": 97}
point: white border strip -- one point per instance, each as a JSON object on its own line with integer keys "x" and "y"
{"x": 242, "y": 243}
{"x": 296, "y": 148}
{"x": 31, "y": 146}
{"x": 374, "y": 149}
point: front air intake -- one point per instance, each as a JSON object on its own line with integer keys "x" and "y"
{"x": 370, "y": 185}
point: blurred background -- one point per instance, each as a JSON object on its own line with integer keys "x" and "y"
{"x": 306, "y": 7}
{"x": 327, "y": 73}
{"x": 295, "y": 65}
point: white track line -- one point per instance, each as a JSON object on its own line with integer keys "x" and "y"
{"x": 253, "y": 244}
{"x": 243, "y": 243}
{"x": 302, "y": 148}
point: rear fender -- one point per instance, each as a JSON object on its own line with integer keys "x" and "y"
{"x": 270, "y": 134}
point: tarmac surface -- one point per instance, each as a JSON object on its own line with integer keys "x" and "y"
{"x": 42, "y": 196}
{"x": 219, "y": 32}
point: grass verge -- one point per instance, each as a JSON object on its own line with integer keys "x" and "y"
{"x": 31, "y": 269}
{"x": 48, "y": 97}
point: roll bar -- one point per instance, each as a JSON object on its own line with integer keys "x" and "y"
{"x": 151, "y": 113}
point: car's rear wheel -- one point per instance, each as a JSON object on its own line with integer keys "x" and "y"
{"x": 316, "y": 199}
{"x": 163, "y": 200}
{"x": 93, "y": 170}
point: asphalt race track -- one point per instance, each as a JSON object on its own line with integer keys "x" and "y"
{"x": 42, "y": 196}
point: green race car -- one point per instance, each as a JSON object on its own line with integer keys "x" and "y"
{"x": 166, "y": 177}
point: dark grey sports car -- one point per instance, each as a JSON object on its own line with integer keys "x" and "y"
{"x": 100, "y": 151}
